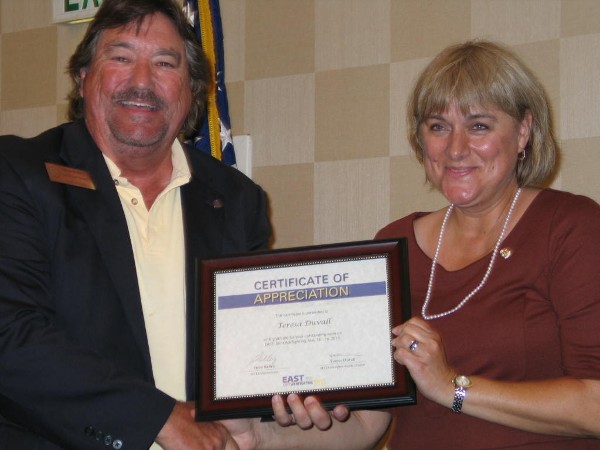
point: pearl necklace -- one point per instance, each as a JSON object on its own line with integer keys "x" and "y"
{"x": 485, "y": 276}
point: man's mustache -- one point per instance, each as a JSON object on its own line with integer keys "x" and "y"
{"x": 139, "y": 96}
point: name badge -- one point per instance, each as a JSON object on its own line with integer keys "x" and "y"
{"x": 70, "y": 176}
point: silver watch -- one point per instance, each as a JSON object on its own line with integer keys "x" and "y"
{"x": 461, "y": 384}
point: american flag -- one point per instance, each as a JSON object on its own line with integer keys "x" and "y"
{"x": 214, "y": 136}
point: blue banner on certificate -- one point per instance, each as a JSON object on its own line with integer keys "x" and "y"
{"x": 311, "y": 320}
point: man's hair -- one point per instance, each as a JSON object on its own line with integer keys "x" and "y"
{"x": 119, "y": 13}
{"x": 485, "y": 74}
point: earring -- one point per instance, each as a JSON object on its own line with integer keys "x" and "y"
{"x": 521, "y": 155}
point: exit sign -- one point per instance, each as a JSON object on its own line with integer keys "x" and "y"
{"x": 74, "y": 10}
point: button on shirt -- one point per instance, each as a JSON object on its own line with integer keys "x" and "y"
{"x": 158, "y": 247}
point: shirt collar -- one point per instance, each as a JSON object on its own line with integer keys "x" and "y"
{"x": 181, "y": 170}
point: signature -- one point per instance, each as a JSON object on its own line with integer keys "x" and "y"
{"x": 263, "y": 358}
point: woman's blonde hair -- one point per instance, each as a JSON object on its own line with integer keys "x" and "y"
{"x": 486, "y": 74}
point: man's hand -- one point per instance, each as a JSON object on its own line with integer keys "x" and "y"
{"x": 246, "y": 432}
{"x": 288, "y": 430}
{"x": 182, "y": 432}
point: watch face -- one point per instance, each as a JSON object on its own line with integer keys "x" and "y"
{"x": 462, "y": 381}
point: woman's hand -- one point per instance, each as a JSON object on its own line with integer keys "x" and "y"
{"x": 306, "y": 413}
{"x": 419, "y": 347}
{"x": 563, "y": 406}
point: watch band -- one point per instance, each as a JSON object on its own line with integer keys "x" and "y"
{"x": 461, "y": 384}
{"x": 459, "y": 395}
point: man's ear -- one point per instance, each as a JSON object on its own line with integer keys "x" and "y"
{"x": 82, "y": 75}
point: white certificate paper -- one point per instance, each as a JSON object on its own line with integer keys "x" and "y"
{"x": 302, "y": 327}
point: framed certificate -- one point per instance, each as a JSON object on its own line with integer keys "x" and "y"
{"x": 312, "y": 320}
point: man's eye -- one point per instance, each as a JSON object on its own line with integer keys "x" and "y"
{"x": 120, "y": 59}
{"x": 480, "y": 126}
{"x": 165, "y": 64}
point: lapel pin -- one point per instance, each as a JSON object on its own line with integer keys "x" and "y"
{"x": 217, "y": 203}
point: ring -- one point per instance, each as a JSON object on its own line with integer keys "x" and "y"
{"x": 413, "y": 345}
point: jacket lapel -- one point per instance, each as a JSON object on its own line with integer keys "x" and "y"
{"x": 102, "y": 211}
{"x": 203, "y": 217}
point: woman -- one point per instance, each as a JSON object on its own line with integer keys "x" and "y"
{"x": 504, "y": 281}
{"x": 503, "y": 345}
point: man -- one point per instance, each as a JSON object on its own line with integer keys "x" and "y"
{"x": 102, "y": 219}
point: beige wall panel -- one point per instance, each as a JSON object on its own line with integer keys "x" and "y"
{"x": 408, "y": 190}
{"x": 352, "y": 33}
{"x": 290, "y": 193}
{"x": 352, "y": 113}
{"x": 19, "y": 15}
{"x": 68, "y": 38}
{"x": 516, "y": 21}
{"x": 580, "y": 87}
{"x": 422, "y": 28}
{"x": 280, "y": 38}
{"x": 580, "y": 17}
{"x": 30, "y": 78}
{"x": 233, "y": 19}
{"x": 235, "y": 100}
{"x": 579, "y": 170}
{"x": 403, "y": 76}
{"x": 279, "y": 114}
{"x": 27, "y": 122}
{"x": 352, "y": 199}
{"x": 62, "y": 110}
{"x": 1, "y": 59}
{"x": 556, "y": 181}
